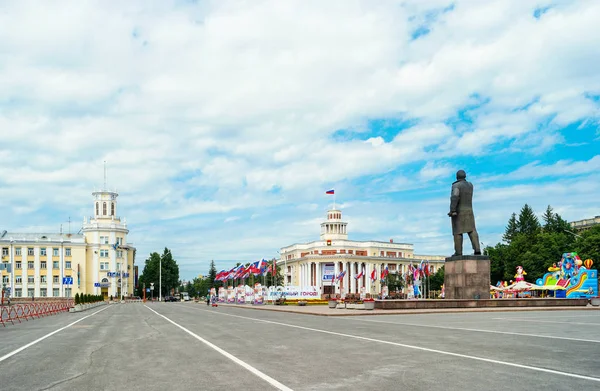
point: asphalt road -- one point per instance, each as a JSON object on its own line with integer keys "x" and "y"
{"x": 189, "y": 346}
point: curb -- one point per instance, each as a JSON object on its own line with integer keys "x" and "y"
{"x": 414, "y": 312}
{"x": 74, "y": 309}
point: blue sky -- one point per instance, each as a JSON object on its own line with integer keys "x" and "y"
{"x": 223, "y": 123}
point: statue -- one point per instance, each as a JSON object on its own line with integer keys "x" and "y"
{"x": 461, "y": 212}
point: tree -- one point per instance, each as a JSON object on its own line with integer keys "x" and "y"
{"x": 212, "y": 274}
{"x": 587, "y": 245}
{"x": 170, "y": 272}
{"x": 511, "y": 229}
{"x": 437, "y": 280}
{"x": 553, "y": 222}
{"x": 528, "y": 223}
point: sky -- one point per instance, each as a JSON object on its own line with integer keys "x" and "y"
{"x": 223, "y": 123}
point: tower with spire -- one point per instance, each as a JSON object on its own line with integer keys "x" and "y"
{"x": 333, "y": 228}
{"x": 110, "y": 257}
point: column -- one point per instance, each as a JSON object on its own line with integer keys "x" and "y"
{"x": 37, "y": 272}
{"x": 352, "y": 273}
{"x": 335, "y": 273}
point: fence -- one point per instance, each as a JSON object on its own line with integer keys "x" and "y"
{"x": 25, "y": 311}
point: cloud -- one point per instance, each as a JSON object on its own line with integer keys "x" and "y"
{"x": 243, "y": 113}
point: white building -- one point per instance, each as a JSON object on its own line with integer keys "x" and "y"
{"x": 314, "y": 263}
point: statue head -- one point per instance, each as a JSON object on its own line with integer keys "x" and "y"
{"x": 461, "y": 174}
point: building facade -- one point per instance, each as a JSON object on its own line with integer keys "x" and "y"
{"x": 314, "y": 263}
{"x": 585, "y": 224}
{"x": 99, "y": 260}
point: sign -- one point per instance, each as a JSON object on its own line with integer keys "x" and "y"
{"x": 328, "y": 272}
{"x": 67, "y": 280}
{"x": 117, "y": 274}
{"x": 148, "y": 290}
{"x": 295, "y": 292}
{"x": 101, "y": 284}
{"x": 152, "y": 287}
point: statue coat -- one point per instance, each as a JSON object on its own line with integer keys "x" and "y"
{"x": 461, "y": 202}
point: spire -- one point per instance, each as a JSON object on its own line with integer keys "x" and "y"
{"x": 104, "y": 188}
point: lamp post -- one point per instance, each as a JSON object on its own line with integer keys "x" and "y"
{"x": 160, "y": 279}
{"x": 573, "y": 233}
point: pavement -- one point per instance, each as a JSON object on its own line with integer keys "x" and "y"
{"x": 183, "y": 346}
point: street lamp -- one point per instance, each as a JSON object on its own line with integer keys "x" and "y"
{"x": 573, "y": 233}
{"x": 160, "y": 279}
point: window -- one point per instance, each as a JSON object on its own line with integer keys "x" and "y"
{"x": 18, "y": 292}
{"x": 55, "y": 265}
{"x": 42, "y": 279}
{"x": 119, "y": 241}
{"x": 67, "y": 252}
{"x": 97, "y": 209}
{"x": 104, "y": 253}
{"x": 30, "y": 279}
{"x": 119, "y": 254}
{"x": 18, "y": 251}
{"x": 104, "y": 208}
{"x": 44, "y": 292}
{"x": 68, "y": 292}
{"x": 43, "y": 265}
{"x": 55, "y": 292}
{"x": 5, "y": 279}
{"x": 55, "y": 252}
{"x": 112, "y": 209}
{"x": 4, "y": 251}
{"x": 43, "y": 251}
{"x": 18, "y": 265}
{"x": 30, "y": 251}
{"x": 29, "y": 264}
{"x": 30, "y": 292}
{"x": 103, "y": 239}
{"x": 18, "y": 280}
{"x": 103, "y": 265}
{"x": 55, "y": 279}
{"x": 68, "y": 264}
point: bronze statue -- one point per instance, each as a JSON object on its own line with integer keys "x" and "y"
{"x": 461, "y": 212}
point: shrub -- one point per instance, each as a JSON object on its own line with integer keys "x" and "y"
{"x": 76, "y": 298}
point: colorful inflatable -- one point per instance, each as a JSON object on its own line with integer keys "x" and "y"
{"x": 577, "y": 277}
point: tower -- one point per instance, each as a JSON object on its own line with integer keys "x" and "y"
{"x": 109, "y": 257}
{"x": 333, "y": 227}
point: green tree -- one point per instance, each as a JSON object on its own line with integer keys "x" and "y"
{"x": 511, "y": 229}
{"x": 528, "y": 223}
{"x": 170, "y": 272}
{"x": 437, "y": 280}
{"x": 587, "y": 245}
{"x": 212, "y": 274}
{"x": 553, "y": 222}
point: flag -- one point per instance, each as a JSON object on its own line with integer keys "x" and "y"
{"x": 384, "y": 273}
{"x": 374, "y": 274}
{"x": 359, "y": 275}
{"x": 341, "y": 275}
{"x": 330, "y": 191}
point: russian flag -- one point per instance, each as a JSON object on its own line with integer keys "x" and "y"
{"x": 330, "y": 191}
{"x": 359, "y": 275}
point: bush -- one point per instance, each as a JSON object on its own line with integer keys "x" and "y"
{"x": 76, "y": 298}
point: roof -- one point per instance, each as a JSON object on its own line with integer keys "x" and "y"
{"x": 41, "y": 237}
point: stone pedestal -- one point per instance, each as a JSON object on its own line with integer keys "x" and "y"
{"x": 467, "y": 277}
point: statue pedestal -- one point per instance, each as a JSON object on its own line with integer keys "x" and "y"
{"x": 467, "y": 277}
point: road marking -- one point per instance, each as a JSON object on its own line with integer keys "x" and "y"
{"x": 236, "y": 360}
{"x": 443, "y": 352}
{"x": 478, "y": 330}
{"x": 47, "y": 335}
{"x": 547, "y": 321}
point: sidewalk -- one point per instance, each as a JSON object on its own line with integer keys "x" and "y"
{"x": 323, "y": 310}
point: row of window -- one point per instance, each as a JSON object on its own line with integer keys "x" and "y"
{"x": 43, "y": 265}
{"x": 112, "y": 208}
{"x": 43, "y": 251}
{"x": 30, "y": 279}
{"x": 43, "y": 292}
{"x": 104, "y": 240}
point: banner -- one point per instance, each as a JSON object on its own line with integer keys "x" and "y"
{"x": 328, "y": 272}
{"x": 384, "y": 291}
{"x": 295, "y": 292}
{"x": 230, "y": 295}
{"x": 258, "y": 294}
{"x": 222, "y": 295}
{"x": 241, "y": 294}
